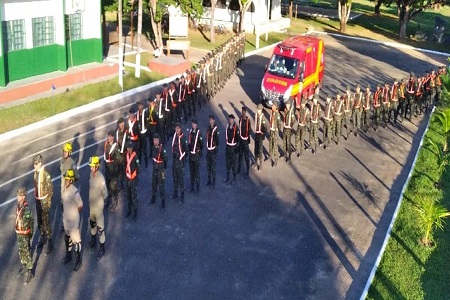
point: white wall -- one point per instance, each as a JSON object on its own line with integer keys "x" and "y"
{"x": 16, "y": 10}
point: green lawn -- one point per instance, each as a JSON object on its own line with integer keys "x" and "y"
{"x": 409, "y": 270}
{"x": 384, "y": 27}
{"x": 40, "y": 109}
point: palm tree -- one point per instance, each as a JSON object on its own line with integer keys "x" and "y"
{"x": 442, "y": 157}
{"x": 431, "y": 216}
{"x": 444, "y": 118}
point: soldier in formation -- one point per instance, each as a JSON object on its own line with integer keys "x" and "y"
{"x": 131, "y": 173}
{"x": 244, "y": 142}
{"x": 232, "y": 135}
{"x": 195, "y": 153}
{"x": 212, "y": 148}
{"x": 112, "y": 158}
{"x": 43, "y": 192}
{"x": 260, "y": 132}
{"x": 179, "y": 152}
{"x": 24, "y": 231}
{"x": 66, "y": 163}
{"x": 159, "y": 158}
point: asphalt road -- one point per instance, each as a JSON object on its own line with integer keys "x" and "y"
{"x": 306, "y": 230}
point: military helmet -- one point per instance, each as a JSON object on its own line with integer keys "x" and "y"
{"x": 22, "y": 191}
{"x": 94, "y": 161}
{"x": 67, "y": 147}
{"x": 156, "y": 136}
{"x": 69, "y": 174}
{"x": 129, "y": 144}
{"x": 38, "y": 159}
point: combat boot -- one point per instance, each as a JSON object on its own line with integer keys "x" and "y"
{"x": 67, "y": 258}
{"x": 77, "y": 265}
{"x": 21, "y": 271}
{"x": 128, "y": 214}
{"x": 101, "y": 251}
{"x": 198, "y": 189}
{"x": 49, "y": 246}
{"x": 92, "y": 242}
{"x": 191, "y": 190}
{"x": 114, "y": 202}
{"x": 152, "y": 201}
{"x": 213, "y": 183}
{"x": 29, "y": 277}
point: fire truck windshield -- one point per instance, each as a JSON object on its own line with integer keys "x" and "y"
{"x": 283, "y": 66}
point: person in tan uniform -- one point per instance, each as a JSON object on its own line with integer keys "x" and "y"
{"x": 66, "y": 163}
{"x": 98, "y": 192}
{"x": 43, "y": 192}
{"x": 72, "y": 207}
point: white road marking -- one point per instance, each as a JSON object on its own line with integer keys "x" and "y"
{"x": 32, "y": 190}
{"x": 49, "y": 163}
{"x": 59, "y": 144}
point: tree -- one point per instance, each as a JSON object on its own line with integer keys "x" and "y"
{"x": 244, "y": 5}
{"x": 444, "y": 118}
{"x": 377, "y": 7}
{"x": 212, "y": 32}
{"x": 431, "y": 216}
{"x": 344, "y": 9}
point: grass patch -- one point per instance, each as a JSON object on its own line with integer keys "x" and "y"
{"x": 383, "y": 27}
{"x": 407, "y": 269}
{"x": 42, "y": 108}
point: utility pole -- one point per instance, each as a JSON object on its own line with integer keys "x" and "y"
{"x": 120, "y": 45}
{"x": 137, "y": 72}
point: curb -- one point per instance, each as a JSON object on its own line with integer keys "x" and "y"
{"x": 390, "y": 44}
{"x": 98, "y": 103}
{"x": 394, "y": 216}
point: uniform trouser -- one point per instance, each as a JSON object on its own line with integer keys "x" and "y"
{"x": 211, "y": 164}
{"x": 287, "y": 141}
{"x": 244, "y": 152}
{"x": 194, "y": 169}
{"x": 111, "y": 180}
{"x": 337, "y": 127}
{"x": 418, "y": 101}
{"x": 97, "y": 222}
{"x": 144, "y": 147}
{"x": 151, "y": 131}
{"x": 327, "y": 132}
{"x": 230, "y": 156}
{"x": 158, "y": 180}
{"x": 132, "y": 196}
{"x": 401, "y": 108}
{"x": 209, "y": 88}
{"x": 357, "y": 120}
{"x": 178, "y": 175}
{"x": 365, "y": 119}
{"x": 73, "y": 236}
{"x": 121, "y": 171}
{"x": 300, "y": 138}
{"x": 346, "y": 122}
{"x": 385, "y": 112}
{"x": 376, "y": 117}
{"x": 43, "y": 217}
{"x": 168, "y": 118}
{"x": 273, "y": 145}
{"x": 259, "y": 137}
{"x": 393, "y": 111}
{"x": 161, "y": 128}
{"x": 23, "y": 242}
{"x": 313, "y": 135}
{"x": 410, "y": 106}
{"x": 188, "y": 105}
{"x": 180, "y": 110}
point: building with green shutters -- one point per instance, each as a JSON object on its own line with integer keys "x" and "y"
{"x": 42, "y": 36}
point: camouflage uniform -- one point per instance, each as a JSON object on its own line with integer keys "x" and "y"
{"x": 152, "y": 122}
{"x": 402, "y": 100}
{"x": 385, "y": 104}
{"x": 43, "y": 192}
{"x": 288, "y": 125}
{"x": 376, "y": 107}
{"x": 302, "y": 128}
{"x": 410, "y": 97}
{"x": 195, "y": 153}
{"x": 357, "y": 111}
{"x": 274, "y": 127}
{"x": 314, "y": 127}
{"x": 112, "y": 157}
{"x": 159, "y": 158}
{"x": 348, "y": 106}
{"x": 179, "y": 151}
{"x": 367, "y": 105}
{"x": 141, "y": 118}
{"x": 232, "y": 140}
{"x": 328, "y": 122}
{"x": 212, "y": 147}
{"x": 131, "y": 171}
{"x": 337, "y": 118}
{"x": 244, "y": 143}
{"x": 121, "y": 140}
{"x": 260, "y": 131}
{"x": 24, "y": 232}
{"x": 394, "y": 95}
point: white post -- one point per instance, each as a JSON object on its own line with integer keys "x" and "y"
{"x": 267, "y": 36}
{"x": 257, "y": 41}
{"x": 120, "y": 45}
{"x": 137, "y": 72}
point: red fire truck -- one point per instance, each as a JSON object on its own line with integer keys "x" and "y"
{"x": 295, "y": 70}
